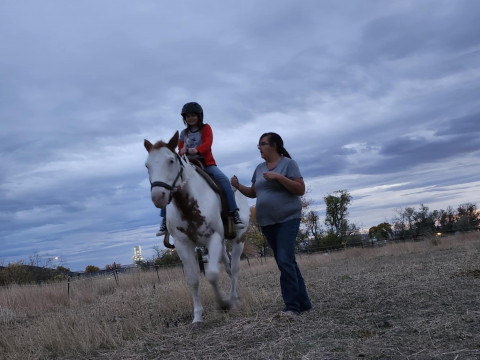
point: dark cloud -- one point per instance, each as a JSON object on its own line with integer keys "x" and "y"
{"x": 422, "y": 29}
{"x": 464, "y": 126}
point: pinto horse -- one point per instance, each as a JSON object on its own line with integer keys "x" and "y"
{"x": 194, "y": 219}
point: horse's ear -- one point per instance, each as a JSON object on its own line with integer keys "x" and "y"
{"x": 148, "y": 145}
{"x": 173, "y": 143}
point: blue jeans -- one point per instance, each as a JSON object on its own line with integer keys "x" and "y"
{"x": 281, "y": 238}
{"x": 222, "y": 179}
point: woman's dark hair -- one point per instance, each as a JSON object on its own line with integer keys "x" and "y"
{"x": 274, "y": 138}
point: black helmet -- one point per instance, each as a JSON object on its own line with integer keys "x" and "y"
{"x": 192, "y": 107}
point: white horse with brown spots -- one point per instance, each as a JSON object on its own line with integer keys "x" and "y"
{"x": 194, "y": 219}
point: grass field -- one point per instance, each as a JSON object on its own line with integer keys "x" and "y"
{"x": 412, "y": 300}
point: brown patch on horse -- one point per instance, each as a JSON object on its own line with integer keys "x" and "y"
{"x": 158, "y": 145}
{"x": 149, "y": 146}
{"x": 190, "y": 213}
{"x": 172, "y": 144}
{"x": 230, "y": 231}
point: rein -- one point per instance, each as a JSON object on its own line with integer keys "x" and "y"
{"x": 172, "y": 187}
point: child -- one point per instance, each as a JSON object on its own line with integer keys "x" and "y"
{"x": 196, "y": 139}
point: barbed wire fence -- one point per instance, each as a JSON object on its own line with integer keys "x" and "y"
{"x": 116, "y": 272}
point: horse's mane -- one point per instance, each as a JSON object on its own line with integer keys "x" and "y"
{"x": 159, "y": 145}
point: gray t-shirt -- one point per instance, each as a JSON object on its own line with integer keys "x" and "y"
{"x": 275, "y": 204}
{"x": 192, "y": 140}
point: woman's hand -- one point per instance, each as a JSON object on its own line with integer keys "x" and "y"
{"x": 248, "y": 191}
{"x": 234, "y": 181}
{"x": 271, "y": 175}
{"x": 295, "y": 186}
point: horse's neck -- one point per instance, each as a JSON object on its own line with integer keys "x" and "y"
{"x": 195, "y": 197}
{"x": 194, "y": 185}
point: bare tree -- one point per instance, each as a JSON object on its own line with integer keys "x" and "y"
{"x": 254, "y": 233}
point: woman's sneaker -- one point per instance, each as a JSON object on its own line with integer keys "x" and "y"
{"x": 163, "y": 227}
{"x": 289, "y": 313}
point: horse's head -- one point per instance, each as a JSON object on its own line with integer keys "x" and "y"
{"x": 164, "y": 169}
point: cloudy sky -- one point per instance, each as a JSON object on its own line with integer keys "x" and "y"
{"x": 377, "y": 97}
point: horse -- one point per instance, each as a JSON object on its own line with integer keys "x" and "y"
{"x": 194, "y": 220}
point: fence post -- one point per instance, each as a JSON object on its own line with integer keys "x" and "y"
{"x": 156, "y": 269}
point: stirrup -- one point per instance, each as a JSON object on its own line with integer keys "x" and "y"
{"x": 161, "y": 232}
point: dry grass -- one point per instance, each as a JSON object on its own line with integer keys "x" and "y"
{"x": 401, "y": 301}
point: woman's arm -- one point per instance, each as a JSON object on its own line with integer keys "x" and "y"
{"x": 295, "y": 186}
{"x": 248, "y": 191}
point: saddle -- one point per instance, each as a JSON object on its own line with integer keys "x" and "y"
{"x": 229, "y": 226}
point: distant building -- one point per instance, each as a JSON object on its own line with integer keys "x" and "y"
{"x": 138, "y": 259}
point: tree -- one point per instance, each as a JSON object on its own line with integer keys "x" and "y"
{"x": 113, "y": 266}
{"x": 446, "y": 219}
{"x": 167, "y": 257}
{"x": 63, "y": 269}
{"x": 381, "y": 231}
{"x": 336, "y": 217}
{"x": 17, "y": 273}
{"x": 414, "y": 223}
{"x": 157, "y": 252}
{"x": 468, "y": 218}
{"x": 404, "y": 223}
{"x": 314, "y": 228}
{"x": 310, "y": 235}
{"x": 91, "y": 269}
{"x": 302, "y": 242}
{"x": 425, "y": 221}
{"x": 254, "y": 233}
{"x": 337, "y": 211}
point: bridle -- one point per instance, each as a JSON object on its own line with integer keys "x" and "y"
{"x": 172, "y": 187}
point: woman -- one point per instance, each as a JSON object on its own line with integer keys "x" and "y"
{"x": 278, "y": 185}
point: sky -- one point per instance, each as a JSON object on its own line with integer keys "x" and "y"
{"x": 380, "y": 98}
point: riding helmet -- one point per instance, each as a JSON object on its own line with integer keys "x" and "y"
{"x": 192, "y": 107}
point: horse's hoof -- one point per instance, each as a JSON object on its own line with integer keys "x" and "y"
{"x": 235, "y": 305}
{"x": 224, "y": 306}
{"x": 197, "y": 325}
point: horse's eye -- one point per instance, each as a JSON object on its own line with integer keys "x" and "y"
{"x": 171, "y": 161}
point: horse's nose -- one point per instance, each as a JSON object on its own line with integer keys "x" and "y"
{"x": 160, "y": 197}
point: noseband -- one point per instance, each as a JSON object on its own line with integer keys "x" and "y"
{"x": 167, "y": 186}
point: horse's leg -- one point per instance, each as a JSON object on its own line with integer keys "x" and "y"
{"x": 237, "y": 249}
{"x": 215, "y": 255}
{"x": 186, "y": 252}
{"x": 226, "y": 260}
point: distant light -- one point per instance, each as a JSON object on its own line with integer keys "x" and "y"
{"x": 439, "y": 234}
{"x": 55, "y": 258}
